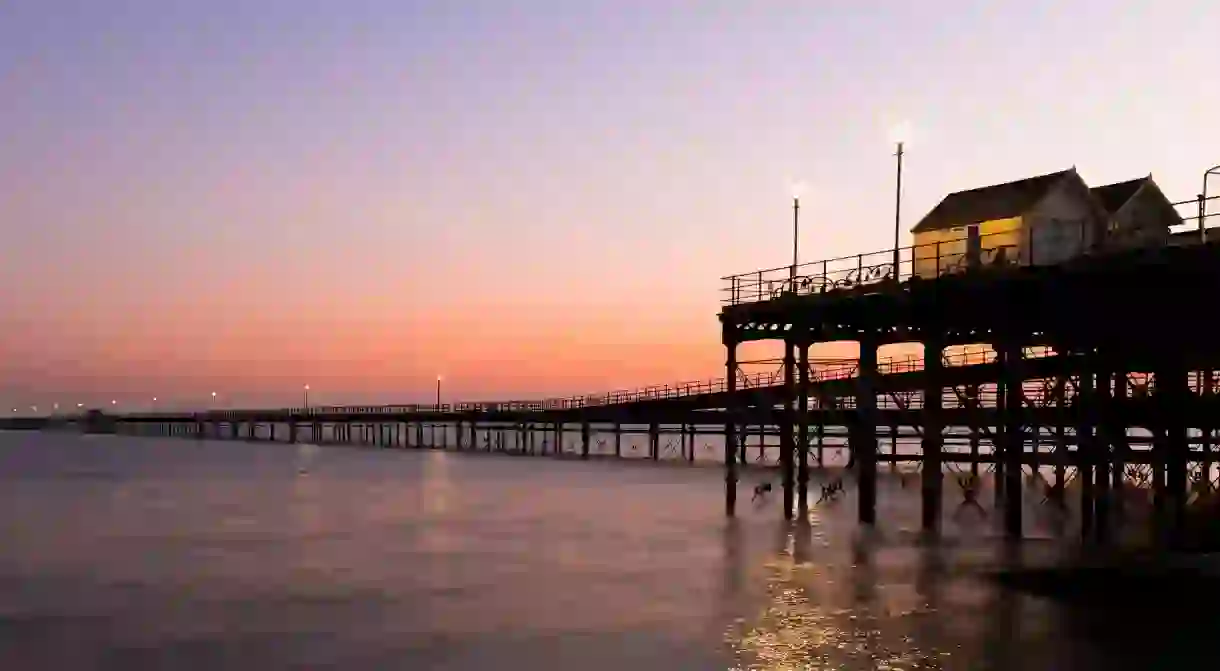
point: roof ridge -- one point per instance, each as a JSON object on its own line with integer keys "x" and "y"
{"x": 988, "y": 203}
{"x": 1057, "y": 173}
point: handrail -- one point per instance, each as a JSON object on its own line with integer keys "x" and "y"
{"x": 1047, "y": 242}
{"x": 824, "y": 371}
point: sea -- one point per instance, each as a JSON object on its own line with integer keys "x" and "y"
{"x": 144, "y": 553}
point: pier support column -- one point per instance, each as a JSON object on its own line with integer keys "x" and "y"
{"x": 997, "y": 435}
{"x": 786, "y": 446}
{"x": 654, "y": 440}
{"x": 1206, "y": 384}
{"x": 584, "y": 440}
{"x": 1061, "y": 445}
{"x": 1013, "y": 354}
{"x": 1119, "y": 441}
{"x": 933, "y": 434}
{"x": 864, "y": 438}
{"x": 292, "y": 431}
{"x": 1173, "y": 386}
{"x": 730, "y": 423}
{"x": 802, "y": 428}
{"x": 1086, "y": 443}
{"x": 618, "y": 440}
{"x": 1103, "y": 446}
{"x": 972, "y": 405}
{"x": 820, "y": 426}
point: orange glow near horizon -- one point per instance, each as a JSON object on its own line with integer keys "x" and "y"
{"x": 248, "y": 197}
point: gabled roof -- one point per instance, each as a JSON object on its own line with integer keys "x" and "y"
{"x": 1000, "y": 201}
{"x": 1114, "y": 196}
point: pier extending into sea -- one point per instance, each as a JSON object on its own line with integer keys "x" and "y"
{"x": 1096, "y": 371}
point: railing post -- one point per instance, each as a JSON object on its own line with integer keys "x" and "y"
{"x": 825, "y": 277}
{"x": 758, "y": 287}
{"x": 1202, "y": 219}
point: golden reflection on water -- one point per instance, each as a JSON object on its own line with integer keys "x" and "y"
{"x": 818, "y": 617}
{"x": 437, "y": 493}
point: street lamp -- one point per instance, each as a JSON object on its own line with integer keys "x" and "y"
{"x": 438, "y": 392}
{"x": 307, "y": 396}
{"x": 899, "y": 134}
{"x": 213, "y": 400}
{"x": 1203, "y": 202}
{"x": 797, "y": 188}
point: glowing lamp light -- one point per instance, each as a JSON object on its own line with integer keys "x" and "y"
{"x": 900, "y": 132}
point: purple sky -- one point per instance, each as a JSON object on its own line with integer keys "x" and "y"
{"x": 527, "y": 197}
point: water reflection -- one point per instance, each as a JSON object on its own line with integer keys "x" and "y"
{"x": 437, "y": 493}
{"x": 818, "y": 611}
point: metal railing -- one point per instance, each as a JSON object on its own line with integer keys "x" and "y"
{"x": 1045, "y": 242}
{"x": 820, "y": 372}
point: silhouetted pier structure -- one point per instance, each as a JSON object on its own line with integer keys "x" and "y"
{"x": 1097, "y": 369}
{"x": 1121, "y": 340}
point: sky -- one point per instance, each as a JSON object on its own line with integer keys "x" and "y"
{"x": 528, "y": 198}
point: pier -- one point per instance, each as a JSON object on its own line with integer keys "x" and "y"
{"x": 1095, "y": 367}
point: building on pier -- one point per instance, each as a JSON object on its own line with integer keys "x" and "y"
{"x": 1137, "y": 213}
{"x": 1040, "y": 220}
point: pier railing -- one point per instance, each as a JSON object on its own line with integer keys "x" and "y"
{"x": 1037, "y": 242}
{"x": 954, "y": 252}
{"x": 820, "y": 371}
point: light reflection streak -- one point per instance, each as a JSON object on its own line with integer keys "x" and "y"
{"x": 811, "y": 620}
{"x": 436, "y": 492}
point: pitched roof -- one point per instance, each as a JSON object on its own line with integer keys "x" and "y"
{"x": 1114, "y": 196}
{"x": 1000, "y": 201}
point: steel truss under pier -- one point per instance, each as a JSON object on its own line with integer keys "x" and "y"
{"x": 1087, "y": 354}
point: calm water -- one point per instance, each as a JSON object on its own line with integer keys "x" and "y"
{"x": 124, "y": 553}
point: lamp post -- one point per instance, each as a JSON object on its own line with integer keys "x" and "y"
{"x": 1203, "y": 202}
{"x": 897, "y": 207}
{"x": 796, "y": 188}
{"x": 899, "y": 135}
{"x": 438, "y": 392}
{"x": 796, "y": 232}
{"x": 213, "y": 400}
{"x": 307, "y": 397}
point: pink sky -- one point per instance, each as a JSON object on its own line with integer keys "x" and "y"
{"x": 530, "y": 199}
